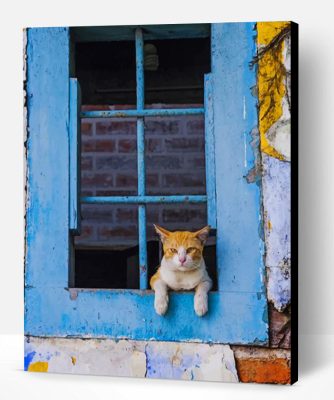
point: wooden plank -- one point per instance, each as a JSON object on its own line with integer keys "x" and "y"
{"x": 234, "y": 318}
{"x": 75, "y": 156}
{"x": 210, "y": 163}
{"x": 47, "y": 207}
{"x": 240, "y": 246}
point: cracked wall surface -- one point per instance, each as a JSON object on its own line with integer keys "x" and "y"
{"x": 188, "y": 361}
{"x": 274, "y": 88}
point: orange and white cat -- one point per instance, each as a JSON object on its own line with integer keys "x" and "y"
{"x": 182, "y": 268}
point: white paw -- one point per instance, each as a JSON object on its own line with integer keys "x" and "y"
{"x": 201, "y": 304}
{"x": 161, "y": 304}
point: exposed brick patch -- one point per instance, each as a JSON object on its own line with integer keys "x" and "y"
{"x": 262, "y": 365}
{"x": 279, "y": 328}
{"x": 175, "y": 164}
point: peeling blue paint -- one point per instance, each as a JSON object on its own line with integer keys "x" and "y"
{"x": 27, "y": 359}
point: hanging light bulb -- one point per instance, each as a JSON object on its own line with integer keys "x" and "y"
{"x": 151, "y": 58}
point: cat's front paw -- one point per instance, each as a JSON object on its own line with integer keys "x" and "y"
{"x": 161, "y": 304}
{"x": 201, "y": 304}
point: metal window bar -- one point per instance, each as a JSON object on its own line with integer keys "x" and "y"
{"x": 142, "y": 199}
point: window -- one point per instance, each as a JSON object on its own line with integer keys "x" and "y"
{"x": 55, "y": 306}
{"x": 107, "y": 252}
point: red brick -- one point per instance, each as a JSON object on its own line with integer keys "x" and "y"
{"x": 154, "y": 145}
{"x": 86, "y": 163}
{"x": 127, "y": 145}
{"x": 116, "y": 127}
{"x": 87, "y": 192}
{"x": 185, "y": 180}
{"x": 126, "y": 180}
{"x": 262, "y": 365}
{"x": 161, "y": 126}
{"x": 162, "y": 162}
{"x": 87, "y": 128}
{"x": 97, "y": 213}
{"x": 195, "y": 126}
{"x": 183, "y": 215}
{"x": 196, "y": 162}
{"x": 116, "y": 162}
{"x": 98, "y": 146}
{"x": 126, "y": 214}
{"x": 87, "y": 231}
{"x": 184, "y": 144}
{"x": 152, "y": 180}
{"x": 98, "y": 179}
{"x": 264, "y": 371}
{"x": 107, "y": 232}
{"x": 116, "y": 192}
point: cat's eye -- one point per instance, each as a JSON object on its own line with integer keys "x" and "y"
{"x": 173, "y": 250}
{"x": 190, "y": 249}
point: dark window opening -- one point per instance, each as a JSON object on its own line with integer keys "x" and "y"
{"x": 106, "y": 252}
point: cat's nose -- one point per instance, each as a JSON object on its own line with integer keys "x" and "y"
{"x": 182, "y": 259}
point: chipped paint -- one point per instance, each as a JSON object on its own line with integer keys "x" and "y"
{"x": 274, "y": 67}
{"x": 170, "y": 360}
{"x": 277, "y": 218}
{"x": 273, "y": 71}
{"x": 38, "y": 366}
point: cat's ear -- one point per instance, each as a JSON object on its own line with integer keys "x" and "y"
{"x": 162, "y": 232}
{"x": 203, "y": 234}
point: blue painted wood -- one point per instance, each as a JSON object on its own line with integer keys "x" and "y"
{"x": 234, "y": 318}
{"x": 164, "y": 112}
{"x": 168, "y": 31}
{"x": 47, "y": 205}
{"x": 210, "y": 164}
{"x": 75, "y": 151}
{"x": 140, "y": 85}
{"x": 144, "y": 199}
{"x": 238, "y": 312}
{"x": 240, "y": 247}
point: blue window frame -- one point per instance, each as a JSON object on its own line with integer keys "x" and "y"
{"x": 238, "y": 309}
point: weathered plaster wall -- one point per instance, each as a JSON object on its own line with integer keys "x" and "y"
{"x": 189, "y": 361}
{"x": 274, "y": 67}
{"x": 203, "y": 361}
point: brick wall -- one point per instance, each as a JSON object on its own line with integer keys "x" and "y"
{"x": 175, "y": 164}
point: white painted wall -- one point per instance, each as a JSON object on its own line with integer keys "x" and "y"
{"x": 316, "y": 130}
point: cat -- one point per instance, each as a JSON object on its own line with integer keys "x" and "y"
{"x": 182, "y": 268}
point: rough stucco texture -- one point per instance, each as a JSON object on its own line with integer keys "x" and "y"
{"x": 189, "y": 361}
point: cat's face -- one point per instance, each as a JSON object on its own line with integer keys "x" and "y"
{"x": 183, "y": 249}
